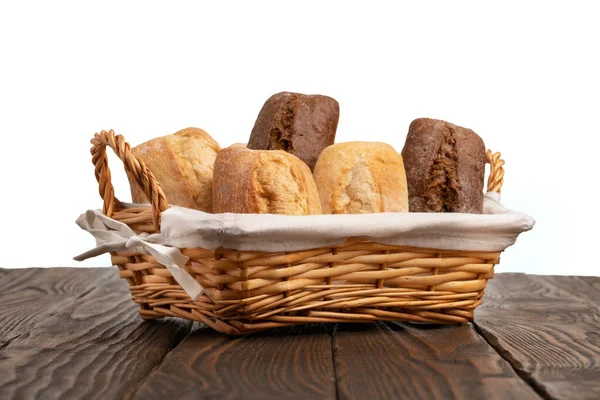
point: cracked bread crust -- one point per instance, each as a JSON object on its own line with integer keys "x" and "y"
{"x": 183, "y": 165}
{"x": 442, "y": 188}
{"x": 357, "y": 192}
{"x": 445, "y": 167}
{"x": 302, "y": 125}
{"x": 361, "y": 177}
{"x": 263, "y": 182}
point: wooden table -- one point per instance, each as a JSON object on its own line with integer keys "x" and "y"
{"x": 75, "y": 334}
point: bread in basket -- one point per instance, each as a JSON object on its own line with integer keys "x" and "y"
{"x": 353, "y": 280}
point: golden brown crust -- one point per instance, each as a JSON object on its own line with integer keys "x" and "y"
{"x": 361, "y": 177}
{"x": 269, "y": 181}
{"x": 232, "y": 186}
{"x": 182, "y": 163}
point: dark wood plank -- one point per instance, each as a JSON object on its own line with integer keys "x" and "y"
{"x": 397, "y": 361}
{"x": 549, "y": 329}
{"x": 75, "y": 333}
{"x": 586, "y": 288}
{"x": 28, "y": 296}
{"x": 294, "y": 363}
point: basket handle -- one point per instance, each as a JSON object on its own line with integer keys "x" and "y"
{"x": 496, "y": 178}
{"x": 133, "y": 166}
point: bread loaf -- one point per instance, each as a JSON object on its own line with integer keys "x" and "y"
{"x": 300, "y": 124}
{"x": 361, "y": 177}
{"x": 263, "y": 182}
{"x": 183, "y": 166}
{"x": 445, "y": 166}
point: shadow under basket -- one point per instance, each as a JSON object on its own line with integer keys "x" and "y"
{"x": 248, "y": 291}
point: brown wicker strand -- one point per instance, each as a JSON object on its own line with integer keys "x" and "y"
{"x": 496, "y": 178}
{"x": 133, "y": 166}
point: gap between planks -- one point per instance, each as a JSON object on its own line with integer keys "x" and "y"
{"x": 176, "y": 342}
{"x": 334, "y": 350}
{"x": 514, "y": 364}
{"x": 504, "y": 354}
{"x": 341, "y": 377}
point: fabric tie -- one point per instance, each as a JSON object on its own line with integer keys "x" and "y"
{"x": 114, "y": 236}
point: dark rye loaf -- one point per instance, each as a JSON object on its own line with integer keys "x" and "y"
{"x": 300, "y": 124}
{"x": 445, "y": 166}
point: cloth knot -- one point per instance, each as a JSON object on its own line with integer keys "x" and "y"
{"x": 112, "y": 235}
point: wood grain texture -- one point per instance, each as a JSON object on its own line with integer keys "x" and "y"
{"x": 75, "y": 333}
{"x": 291, "y": 362}
{"x": 586, "y": 288}
{"x": 548, "y": 327}
{"x": 28, "y": 296}
{"x": 396, "y": 361}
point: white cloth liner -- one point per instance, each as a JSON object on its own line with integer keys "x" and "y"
{"x": 113, "y": 235}
{"x": 494, "y": 230}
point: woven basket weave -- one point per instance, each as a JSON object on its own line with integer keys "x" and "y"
{"x": 247, "y": 291}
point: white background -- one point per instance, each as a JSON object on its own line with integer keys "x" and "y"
{"x": 524, "y": 76}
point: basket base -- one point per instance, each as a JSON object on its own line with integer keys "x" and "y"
{"x": 247, "y": 316}
{"x": 359, "y": 281}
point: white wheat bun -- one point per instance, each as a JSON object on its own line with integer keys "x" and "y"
{"x": 263, "y": 182}
{"x": 361, "y": 177}
{"x": 182, "y": 163}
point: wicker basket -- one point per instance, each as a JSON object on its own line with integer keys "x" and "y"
{"x": 246, "y": 291}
